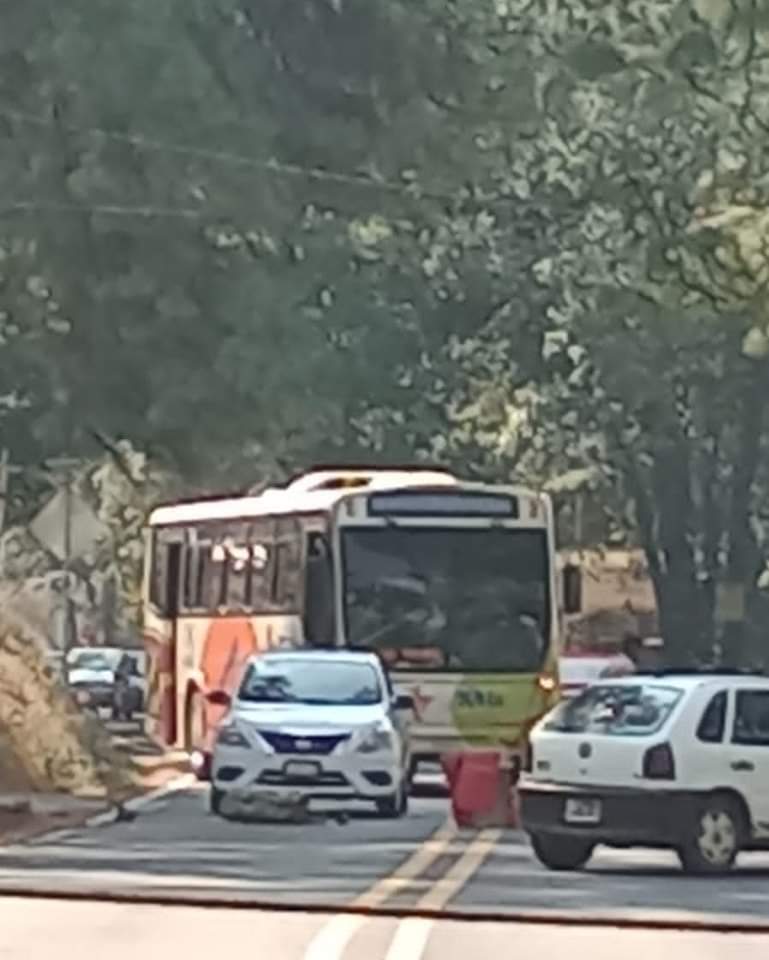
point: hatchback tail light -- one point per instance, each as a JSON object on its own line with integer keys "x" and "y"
{"x": 659, "y": 763}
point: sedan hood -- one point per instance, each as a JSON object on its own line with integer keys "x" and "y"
{"x": 301, "y": 718}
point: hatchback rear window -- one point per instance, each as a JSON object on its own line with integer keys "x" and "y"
{"x": 621, "y": 711}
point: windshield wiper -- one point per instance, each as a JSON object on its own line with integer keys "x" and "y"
{"x": 245, "y": 698}
{"x": 402, "y": 621}
{"x": 320, "y": 702}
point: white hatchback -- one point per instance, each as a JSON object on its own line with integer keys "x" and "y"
{"x": 676, "y": 761}
{"x": 310, "y": 725}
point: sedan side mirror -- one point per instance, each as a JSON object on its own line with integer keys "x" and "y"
{"x": 403, "y": 701}
{"x": 219, "y": 698}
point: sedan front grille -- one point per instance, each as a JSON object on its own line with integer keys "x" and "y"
{"x": 285, "y": 743}
{"x": 276, "y": 778}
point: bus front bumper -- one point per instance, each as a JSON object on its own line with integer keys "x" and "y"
{"x": 429, "y": 750}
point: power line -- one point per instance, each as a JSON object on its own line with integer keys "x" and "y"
{"x": 107, "y": 209}
{"x": 271, "y": 165}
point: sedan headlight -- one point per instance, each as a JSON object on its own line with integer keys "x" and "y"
{"x": 372, "y": 741}
{"x": 230, "y": 736}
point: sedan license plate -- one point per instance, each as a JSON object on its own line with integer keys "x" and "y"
{"x": 303, "y": 769}
{"x": 582, "y": 810}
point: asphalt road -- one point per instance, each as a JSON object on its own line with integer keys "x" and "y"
{"x": 175, "y": 846}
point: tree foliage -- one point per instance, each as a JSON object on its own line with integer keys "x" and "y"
{"x": 521, "y": 236}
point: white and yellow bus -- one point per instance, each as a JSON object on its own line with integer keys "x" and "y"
{"x": 453, "y": 583}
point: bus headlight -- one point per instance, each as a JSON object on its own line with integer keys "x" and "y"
{"x": 546, "y": 683}
{"x": 374, "y": 740}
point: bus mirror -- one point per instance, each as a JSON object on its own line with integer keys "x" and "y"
{"x": 403, "y": 701}
{"x": 219, "y": 698}
{"x": 572, "y": 589}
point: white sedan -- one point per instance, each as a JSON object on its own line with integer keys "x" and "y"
{"x": 312, "y": 724}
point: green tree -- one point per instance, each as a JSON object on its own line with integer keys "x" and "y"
{"x": 651, "y": 129}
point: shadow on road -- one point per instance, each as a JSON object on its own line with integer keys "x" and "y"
{"x": 178, "y": 844}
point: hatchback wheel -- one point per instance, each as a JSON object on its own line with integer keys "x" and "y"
{"x": 396, "y": 805}
{"x": 714, "y": 837}
{"x": 558, "y": 852}
{"x": 195, "y": 728}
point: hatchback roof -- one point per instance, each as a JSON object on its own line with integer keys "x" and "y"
{"x": 312, "y": 653}
{"x": 687, "y": 680}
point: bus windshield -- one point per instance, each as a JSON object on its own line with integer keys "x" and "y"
{"x": 455, "y": 598}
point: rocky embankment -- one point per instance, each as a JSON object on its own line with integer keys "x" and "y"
{"x": 46, "y": 744}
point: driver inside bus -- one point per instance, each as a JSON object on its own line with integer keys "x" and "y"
{"x": 494, "y": 629}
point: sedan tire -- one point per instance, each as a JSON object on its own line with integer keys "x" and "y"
{"x": 396, "y": 805}
{"x": 215, "y": 800}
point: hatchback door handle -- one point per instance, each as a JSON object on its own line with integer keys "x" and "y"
{"x": 742, "y": 766}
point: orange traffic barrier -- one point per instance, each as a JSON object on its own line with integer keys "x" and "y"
{"x": 482, "y": 789}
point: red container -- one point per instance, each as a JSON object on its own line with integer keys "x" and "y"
{"x": 482, "y": 792}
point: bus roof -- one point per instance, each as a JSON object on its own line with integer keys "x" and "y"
{"x": 297, "y": 498}
{"x": 268, "y": 503}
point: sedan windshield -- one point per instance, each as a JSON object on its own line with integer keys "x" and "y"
{"x": 629, "y": 711}
{"x": 342, "y": 683}
{"x": 471, "y": 599}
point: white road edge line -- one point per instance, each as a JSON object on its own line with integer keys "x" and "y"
{"x": 412, "y": 934}
{"x": 331, "y": 940}
{"x": 138, "y": 803}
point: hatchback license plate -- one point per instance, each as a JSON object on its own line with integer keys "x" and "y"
{"x": 301, "y": 768}
{"x": 582, "y": 811}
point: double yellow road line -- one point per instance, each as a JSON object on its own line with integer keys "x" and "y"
{"x": 412, "y": 933}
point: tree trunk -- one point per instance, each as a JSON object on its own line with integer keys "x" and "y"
{"x": 745, "y": 560}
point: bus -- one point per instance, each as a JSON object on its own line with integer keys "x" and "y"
{"x": 452, "y": 583}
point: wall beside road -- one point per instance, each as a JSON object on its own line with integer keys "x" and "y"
{"x": 617, "y": 598}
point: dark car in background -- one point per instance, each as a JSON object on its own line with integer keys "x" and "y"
{"x": 110, "y": 678}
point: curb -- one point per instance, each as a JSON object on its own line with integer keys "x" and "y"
{"x": 108, "y": 816}
{"x": 144, "y": 800}
{"x": 33, "y": 804}
{"x": 46, "y": 805}
{"x": 179, "y": 761}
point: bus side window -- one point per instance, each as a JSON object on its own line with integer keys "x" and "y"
{"x": 157, "y": 570}
{"x": 572, "y": 589}
{"x": 191, "y": 563}
{"x": 287, "y": 570}
{"x": 262, "y": 543}
{"x": 242, "y": 571}
{"x": 318, "y": 620}
{"x": 209, "y": 582}
{"x": 165, "y": 572}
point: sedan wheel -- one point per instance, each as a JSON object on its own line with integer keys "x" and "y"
{"x": 215, "y": 799}
{"x": 396, "y": 805}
